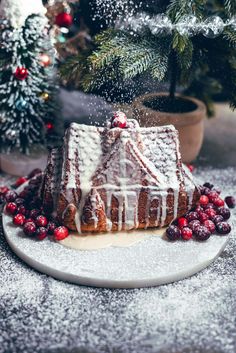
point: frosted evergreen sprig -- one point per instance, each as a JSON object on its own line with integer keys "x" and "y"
{"x": 188, "y": 25}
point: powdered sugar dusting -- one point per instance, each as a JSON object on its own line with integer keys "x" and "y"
{"x": 40, "y": 314}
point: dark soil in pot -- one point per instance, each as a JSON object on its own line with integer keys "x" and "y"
{"x": 169, "y": 105}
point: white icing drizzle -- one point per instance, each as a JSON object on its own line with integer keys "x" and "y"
{"x": 163, "y": 208}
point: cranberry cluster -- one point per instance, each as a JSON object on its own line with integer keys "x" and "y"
{"x": 208, "y": 217}
{"x": 27, "y": 212}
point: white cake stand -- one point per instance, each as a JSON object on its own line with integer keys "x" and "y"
{"x": 152, "y": 262}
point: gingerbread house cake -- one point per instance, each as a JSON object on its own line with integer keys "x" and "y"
{"x": 113, "y": 179}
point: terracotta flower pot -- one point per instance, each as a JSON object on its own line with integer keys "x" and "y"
{"x": 190, "y": 124}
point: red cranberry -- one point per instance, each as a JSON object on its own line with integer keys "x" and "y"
{"x": 19, "y": 219}
{"x": 217, "y": 219}
{"x": 11, "y": 196}
{"x": 224, "y": 212}
{"x": 190, "y": 167}
{"x": 41, "y": 233}
{"x": 208, "y": 185}
{"x": 24, "y": 194}
{"x": 34, "y": 213}
{"x": 202, "y": 216}
{"x": 3, "y": 190}
{"x": 192, "y": 216}
{"x": 41, "y": 221}
{"x": 194, "y": 224}
{"x": 34, "y": 173}
{"x": 51, "y": 227}
{"x": 182, "y": 222}
{"x": 223, "y": 228}
{"x": 20, "y": 181}
{"x": 230, "y": 201}
{"x": 202, "y": 233}
{"x": 61, "y": 233}
{"x": 173, "y": 232}
{"x": 210, "y": 205}
{"x": 22, "y": 210}
{"x": 198, "y": 209}
{"x": 11, "y": 208}
{"x": 186, "y": 233}
{"x": 212, "y": 196}
{"x": 210, "y": 226}
{"x": 204, "y": 190}
{"x": 210, "y": 212}
{"x": 30, "y": 228}
{"x": 219, "y": 202}
{"x": 119, "y": 120}
{"x": 204, "y": 200}
{"x": 19, "y": 201}
{"x": 217, "y": 190}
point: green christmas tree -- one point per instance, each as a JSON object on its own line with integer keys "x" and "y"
{"x": 192, "y": 44}
{"x": 27, "y": 79}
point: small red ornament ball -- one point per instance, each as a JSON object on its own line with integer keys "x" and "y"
{"x": 21, "y": 73}
{"x": 119, "y": 119}
{"x": 19, "y": 219}
{"x": 49, "y": 126}
{"x": 64, "y": 19}
{"x": 61, "y": 233}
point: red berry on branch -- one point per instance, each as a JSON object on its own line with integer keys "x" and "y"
{"x": 64, "y": 19}
{"x": 61, "y": 233}
{"x": 29, "y": 228}
{"x": 119, "y": 119}
{"x": 186, "y": 233}
{"x": 41, "y": 221}
{"x": 21, "y": 73}
{"x": 41, "y": 233}
{"x": 19, "y": 219}
{"x": 11, "y": 208}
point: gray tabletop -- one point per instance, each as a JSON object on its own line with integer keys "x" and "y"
{"x": 41, "y": 314}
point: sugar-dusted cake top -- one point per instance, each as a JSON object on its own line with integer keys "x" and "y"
{"x": 116, "y": 165}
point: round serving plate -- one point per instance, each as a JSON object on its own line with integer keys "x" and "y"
{"x": 151, "y": 262}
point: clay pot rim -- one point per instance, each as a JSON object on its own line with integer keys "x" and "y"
{"x": 186, "y": 118}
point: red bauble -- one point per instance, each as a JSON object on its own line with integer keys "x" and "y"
{"x": 21, "y": 73}
{"x": 64, "y": 19}
{"x": 49, "y": 126}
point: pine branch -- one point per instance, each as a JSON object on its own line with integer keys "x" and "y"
{"x": 230, "y": 35}
{"x": 230, "y": 7}
{"x": 179, "y": 8}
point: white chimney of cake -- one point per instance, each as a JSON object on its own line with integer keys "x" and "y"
{"x": 16, "y": 11}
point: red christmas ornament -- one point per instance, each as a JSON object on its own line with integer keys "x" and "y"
{"x": 45, "y": 60}
{"x": 64, "y": 19}
{"x": 21, "y": 73}
{"x": 49, "y": 126}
